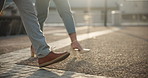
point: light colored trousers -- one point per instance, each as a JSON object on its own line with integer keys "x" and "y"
{"x": 64, "y": 11}
{"x": 32, "y": 27}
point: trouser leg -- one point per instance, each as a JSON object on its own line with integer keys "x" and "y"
{"x": 42, "y": 11}
{"x": 64, "y": 10}
{"x": 32, "y": 27}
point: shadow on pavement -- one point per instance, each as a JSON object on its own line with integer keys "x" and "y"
{"x": 72, "y": 65}
{"x": 44, "y": 74}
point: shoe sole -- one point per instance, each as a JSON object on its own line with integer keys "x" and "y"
{"x": 61, "y": 58}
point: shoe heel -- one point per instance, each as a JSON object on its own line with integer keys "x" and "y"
{"x": 32, "y": 52}
{"x": 84, "y": 51}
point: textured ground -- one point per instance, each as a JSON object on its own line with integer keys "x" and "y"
{"x": 122, "y": 54}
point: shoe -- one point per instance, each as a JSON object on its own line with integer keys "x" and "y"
{"x": 84, "y": 50}
{"x": 75, "y": 49}
{"x": 52, "y": 58}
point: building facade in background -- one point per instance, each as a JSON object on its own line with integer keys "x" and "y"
{"x": 95, "y": 12}
{"x": 119, "y": 12}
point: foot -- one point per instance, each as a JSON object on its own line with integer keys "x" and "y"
{"x": 52, "y": 58}
{"x": 76, "y": 45}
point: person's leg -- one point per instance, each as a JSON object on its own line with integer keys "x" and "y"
{"x": 29, "y": 18}
{"x": 64, "y": 10}
{"x": 42, "y": 11}
{"x": 32, "y": 28}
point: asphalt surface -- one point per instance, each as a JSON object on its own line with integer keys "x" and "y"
{"x": 121, "y": 54}
{"x": 52, "y": 33}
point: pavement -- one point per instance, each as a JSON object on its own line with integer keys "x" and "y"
{"x": 116, "y": 52}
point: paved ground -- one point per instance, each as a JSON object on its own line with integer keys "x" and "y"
{"x": 13, "y": 43}
{"x": 119, "y": 54}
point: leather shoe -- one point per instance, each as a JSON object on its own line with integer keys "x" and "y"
{"x": 52, "y": 58}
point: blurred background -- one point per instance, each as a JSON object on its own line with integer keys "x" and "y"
{"x": 86, "y": 13}
{"x": 116, "y": 32}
